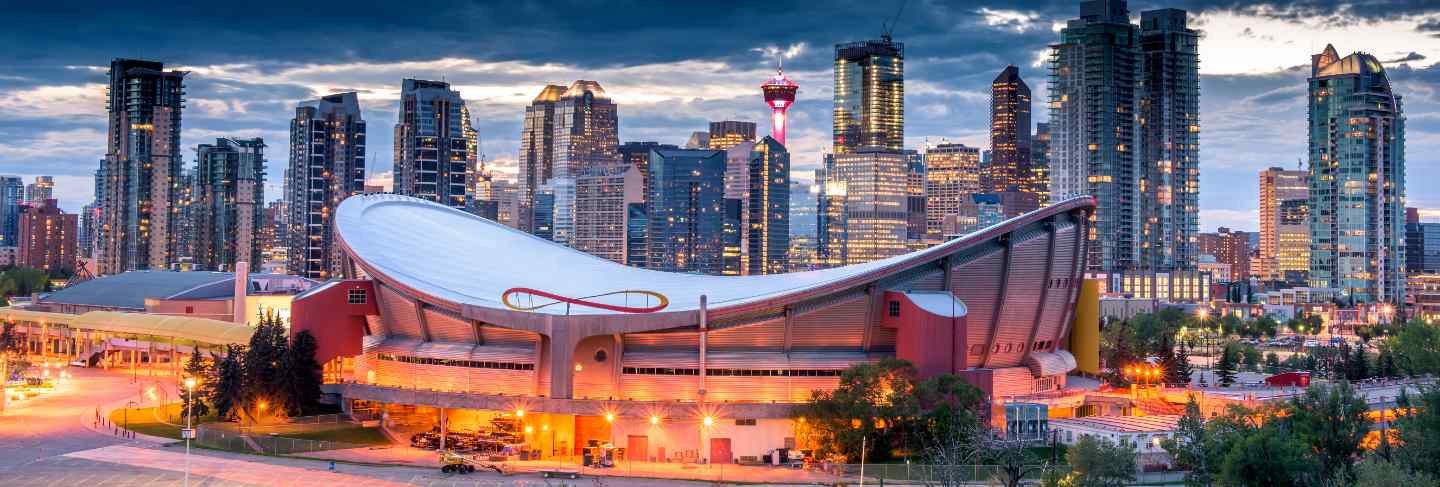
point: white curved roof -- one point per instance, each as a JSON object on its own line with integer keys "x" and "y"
{"x": 465, "y": 259}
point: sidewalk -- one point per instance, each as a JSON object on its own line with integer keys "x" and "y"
{"x": 407, "y": 456}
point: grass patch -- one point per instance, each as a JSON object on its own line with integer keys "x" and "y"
{"x": 144, "y": 421}
{"x": 352, "y": 434}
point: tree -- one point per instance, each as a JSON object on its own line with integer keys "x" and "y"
{"x": 1357, "y": 366}
{"x": 9, "y": 340}
{"x": 1377, "y": 472}
{"x": 227, "y": 394}
{"x": 866, "y": 407}
{"x": 263, "y": 362}
{"x": 1250, "y": 357}
{"x": 1099, "y": 462}
{"x": 1229, "y": 360}
{"x": 1265, "y": 325}
{"x": 1416, "y": 348}
{"x": 302, "y": 374}
{"x": 1331, "y": 421}
{"x": 1418, "y": 429}
{"x": 1181, "y": 372}
{"x": 1266, "y": 457}
{"x": 1012, "y": 457}
{"x": 193, "y": 403}
{"x": 1272, "y": 361}
{"x": 1189, "y": 447}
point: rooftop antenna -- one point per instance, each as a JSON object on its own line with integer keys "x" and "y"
{"x": 888, "y": 28}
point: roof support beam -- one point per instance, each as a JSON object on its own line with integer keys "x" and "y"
{"x": 1044, "y": 288}
{"x": 1008, "y": 241}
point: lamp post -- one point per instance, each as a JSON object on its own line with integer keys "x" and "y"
{"x": 189, "y": 431}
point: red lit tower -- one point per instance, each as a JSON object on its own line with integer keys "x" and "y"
{"x": 779, "y": 94}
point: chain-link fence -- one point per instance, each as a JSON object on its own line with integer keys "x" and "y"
{"x": 237, "y": 439}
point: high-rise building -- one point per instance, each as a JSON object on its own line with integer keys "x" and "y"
{"x": 143, "y": 164}
{"x": 327, "y": 165}
{"x": 803, "y": 230}
{"x": 272, "y": 237}
{"x": 637, "y": 154}
{"x": 869, "y": 96}
{"x": 433, "y": 138}
{"x": 1124, "y": 129}
{"x": 737, "y": 199}
{"x": 729, "y": 133}
{"x": 1169, "y": 116}
{"x": 952, "y": 174}
{"x": 1040, "y": 162}
{"x": 586, "y": 134}
{"x": 229, "y": 191}
{"x": 90, "y": 217}
{"x": 42, "y": 189}
{"x": 687, "y": 210}
{"x": 876, "y": 209}
{"x": 1357, "y": 179}
{"x": 12, "y": 200}
{"x": 1094, "y": 83}
{"x": 977, "y": 211}
{"x": 831, "y": 225}
{"x": 1284, "y": 224}
{"x": 1422, "y": 244}
{"x": 506, "y": 195}
{"x": 1230, "y": 248}
{"x": 767, "y": 227}
{"x": 779, "y": 94}
{"x": 47, "y": 238}
{"x": 537, "y": 151}
{"x": 603, "y": 198}
{"x": 915, "y": 218}
{"x": 698, "y": 140}
{"x": 1009, "y": 168}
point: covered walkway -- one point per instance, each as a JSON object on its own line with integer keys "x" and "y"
{"x": 112, "y": 339}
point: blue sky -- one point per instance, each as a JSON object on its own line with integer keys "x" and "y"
{"x": 672, "y": 66}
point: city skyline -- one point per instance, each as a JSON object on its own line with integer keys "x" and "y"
{"x": 1252, "y": 112}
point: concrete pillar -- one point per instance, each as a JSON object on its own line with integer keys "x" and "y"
{"x": 242, "y": 286}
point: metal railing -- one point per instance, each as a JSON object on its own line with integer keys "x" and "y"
{"x": 269, "y": 444}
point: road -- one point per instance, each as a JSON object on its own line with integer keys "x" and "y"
{"x": 51, "y": 440}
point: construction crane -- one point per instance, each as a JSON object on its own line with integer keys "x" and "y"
{"x": 888, "y": 28}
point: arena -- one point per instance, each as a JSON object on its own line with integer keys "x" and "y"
{"x": 457, "y": 322}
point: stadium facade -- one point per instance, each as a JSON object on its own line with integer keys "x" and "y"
{"x": 502, "y": 323}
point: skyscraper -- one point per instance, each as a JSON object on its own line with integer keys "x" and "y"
{"x": 1422, "y": 244}
{"x": 142, "y": 162}
{"x": 47, "y": 238}
{"x": 586, "y": 134}
{"x": 952, "y": 174}
{"x": 226, "y": 210}
{"x": 831, "y": 224}
{"x": 603, "y": 195}
{"x": 637, "y": 154}
{"x": 1124, "y": 129}
{"x": 537, "y": 151}
{"x": 737, "y": 213}
{"x": 915, "y": 218}
{"x": 728, "y": 133}
{"x": 869, "y": 96}
{"x": 327, "y": 165}
{"x": 1169, "y": 116}
{"x": 42, "y": 189}
{"x": 876, "y": 209}
{"x": 779, "y": 94}
{"x": 803, "y": 221}
{"x": 767, "y": 228}
{"x": 1357, "y": 179}
{"x": 433, "y": 138}
{"x": 1040, "y": 162}
{"x": 12, "y": 200}
{"x": 1009, "y": 168}
{"x": 687, "y": 206}
{"x": 1284, "y": 224}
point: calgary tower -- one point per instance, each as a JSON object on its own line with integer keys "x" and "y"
{"x": 779, "y": 94}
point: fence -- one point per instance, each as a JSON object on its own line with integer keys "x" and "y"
{"x": 271, "y": 444}
{"x": 831, "y": 474}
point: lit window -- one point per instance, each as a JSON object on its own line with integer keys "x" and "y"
{"x": 357, "y": 296}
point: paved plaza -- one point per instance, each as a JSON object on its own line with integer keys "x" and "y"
{"x": 53, "y": 440}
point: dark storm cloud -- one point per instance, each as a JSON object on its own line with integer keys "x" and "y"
{"x": 246, "y": 56}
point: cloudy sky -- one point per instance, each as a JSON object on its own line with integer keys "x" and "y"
{"x": 672, "y": 66}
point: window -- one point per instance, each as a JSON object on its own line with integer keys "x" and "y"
{"x": 357, "y": 296}
{"x": 894, "y": 308}
{"x": 189, "y": 310}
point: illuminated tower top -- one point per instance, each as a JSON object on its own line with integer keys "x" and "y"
{"x": 779, "y": 94}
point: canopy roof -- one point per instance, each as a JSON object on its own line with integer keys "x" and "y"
{"x": 214, "y": 332}
{"x": 456, "y": 257}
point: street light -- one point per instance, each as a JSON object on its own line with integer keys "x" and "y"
{"x": 189, "y": 432}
